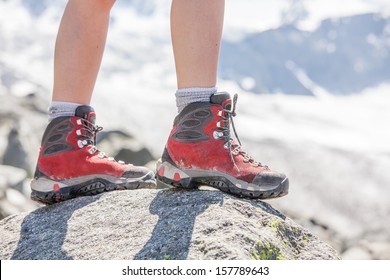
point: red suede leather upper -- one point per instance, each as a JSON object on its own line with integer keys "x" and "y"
{"x": 77, "y": 162}
{"x": 210, "y": 154}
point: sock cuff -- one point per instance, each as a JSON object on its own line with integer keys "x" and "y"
{"x": 198, "y": 90}
{"x": 185, "y": 96}
{"x": 62, "y": 109}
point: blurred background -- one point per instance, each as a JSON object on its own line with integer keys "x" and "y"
{"x": 313, "y": 79}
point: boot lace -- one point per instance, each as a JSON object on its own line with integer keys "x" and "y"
{"x": 223, "y": 132}
{"x": 88, "y": 138}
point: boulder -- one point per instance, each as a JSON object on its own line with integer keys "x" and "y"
{"x": 356, "y": 253}
{"x": 22, "y": 122}
{"x": 122, "y": 146}
{"x": 13, "y": 197}
{"x": 12, "y": 177}
{"x": 158, "y": 224}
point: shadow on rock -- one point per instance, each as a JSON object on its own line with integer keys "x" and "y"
{"x": 44, "y": 230}
{"x": 177, "y": 211}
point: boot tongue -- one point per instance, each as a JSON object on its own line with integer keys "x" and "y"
{"x": 86, "y": 112}
{"x": 222, "y": 98}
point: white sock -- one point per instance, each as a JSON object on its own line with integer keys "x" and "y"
{"x": 62, "y": 109}
{"x": 185, "y": 96}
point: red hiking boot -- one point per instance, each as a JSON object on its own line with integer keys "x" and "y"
{"x": 200, "y": 151}
{"x": 70, "y": 165}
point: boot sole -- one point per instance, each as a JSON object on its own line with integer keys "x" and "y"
{"x": 47, "y": 191}
{"x": 194, "y": 178}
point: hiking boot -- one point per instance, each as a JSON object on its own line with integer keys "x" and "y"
{"x": 70, "y": 165}
{"x": 200, "y": 151}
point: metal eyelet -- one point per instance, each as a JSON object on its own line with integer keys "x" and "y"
{"x": 217, "y": 134}
{"x": 247, "y": 158}
{"x": 80, "y": 143}
{"x": 92, "y": 150}
{"x": 101, "y": 155}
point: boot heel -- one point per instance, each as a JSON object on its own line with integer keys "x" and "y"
{"x": 171, "y": 175}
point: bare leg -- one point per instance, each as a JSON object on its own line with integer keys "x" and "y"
{"x": 196, "y": 28}
{"x": 79, "y": 49}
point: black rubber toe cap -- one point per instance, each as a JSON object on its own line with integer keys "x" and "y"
{"x": 135, "y": 172}
{"x": 270, "y": 179}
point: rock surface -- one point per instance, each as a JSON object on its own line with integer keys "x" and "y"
{"x": 158, "y": 224}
